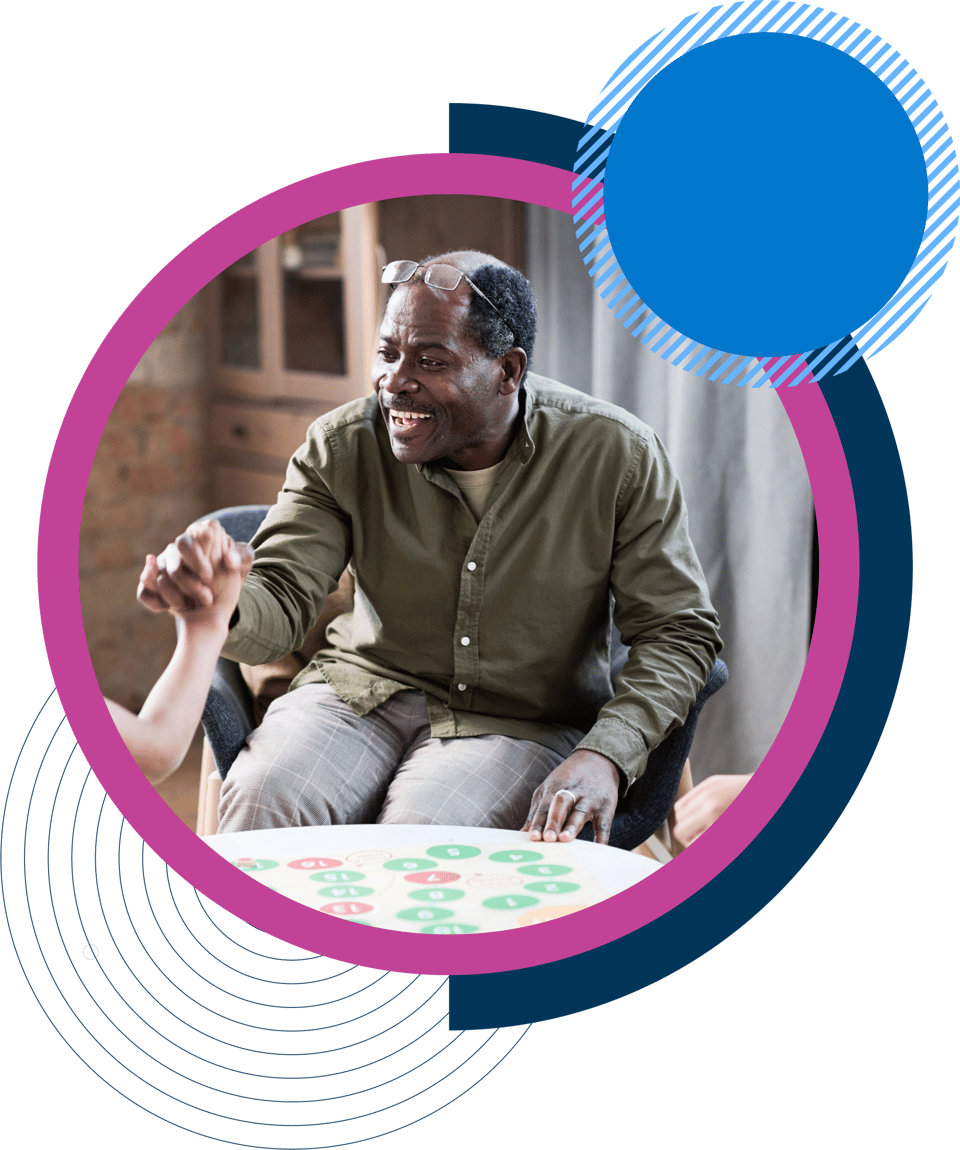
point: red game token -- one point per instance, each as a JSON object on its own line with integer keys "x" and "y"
{"x": 347, "y": 907}
{"x": 314, "y": 864}
{"x": 432, "y": 876}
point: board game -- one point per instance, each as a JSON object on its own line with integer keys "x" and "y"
{"x": 437, "y": 888}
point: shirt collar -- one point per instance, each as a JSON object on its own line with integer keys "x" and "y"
{"x": 523, "y": 444}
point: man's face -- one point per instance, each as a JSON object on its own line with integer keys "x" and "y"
{"x": 440, "y": 393}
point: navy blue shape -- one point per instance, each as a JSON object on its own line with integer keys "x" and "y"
{"x": 572, "y": 984}
{"x": 815, "y": 803}
{"x": 495, "y": 130}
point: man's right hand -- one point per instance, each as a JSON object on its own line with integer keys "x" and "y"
{"x": 182, "y": 577}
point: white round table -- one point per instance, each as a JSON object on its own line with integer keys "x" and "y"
{"x": 435, "y": 879}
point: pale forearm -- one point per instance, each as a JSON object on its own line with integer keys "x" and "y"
{"x": 159, "y": 737}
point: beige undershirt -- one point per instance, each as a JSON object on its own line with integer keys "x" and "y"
{"x": 475, "y": 486}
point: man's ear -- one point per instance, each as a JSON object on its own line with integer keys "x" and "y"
{"x": 513, "y": 365}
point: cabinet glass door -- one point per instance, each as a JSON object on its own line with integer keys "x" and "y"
{"x": 240, "y": 314}
{"x": 313, "y": 297}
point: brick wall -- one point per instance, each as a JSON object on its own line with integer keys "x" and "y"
{"x": 150, "y": 479}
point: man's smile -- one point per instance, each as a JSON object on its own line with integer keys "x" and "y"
{"x": 406, "y": 419}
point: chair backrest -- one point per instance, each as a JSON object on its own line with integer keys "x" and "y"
{"x": 241, "y": 523}
{"x": 228, "y": 714}
{"x": 648, "y": 802}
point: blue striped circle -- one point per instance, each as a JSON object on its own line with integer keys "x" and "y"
{"x": 803, "y": 20}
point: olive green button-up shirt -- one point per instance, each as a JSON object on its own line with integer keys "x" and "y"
{"x": 503, "y": 624}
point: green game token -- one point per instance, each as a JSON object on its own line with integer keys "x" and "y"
{"x": 345, "y": 891}
{"x": 515, "y": 856}
{"x": 255, "y": 864}
{"x": 409, "y": 864}
{"x": 545, "y": 869}
{"x": 450, "y": 928}
{"x": 337, "y": 876}
{"x": 551, "y": 887}
{"x": 452, "y": 852}
{"x": 510, "y": 902}
{"x": 425, "y": 914}
{"x": 438, "y": 894}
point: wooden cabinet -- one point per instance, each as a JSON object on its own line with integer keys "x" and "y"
{"x": 293, "y": 329}
{"x": 293, "y": 324}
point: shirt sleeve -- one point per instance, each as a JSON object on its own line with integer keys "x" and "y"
{"x": 302, "y": 548}
{"x": 663, "y": 610}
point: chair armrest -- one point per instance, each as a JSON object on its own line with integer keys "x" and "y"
{"x": 228, "y": 714}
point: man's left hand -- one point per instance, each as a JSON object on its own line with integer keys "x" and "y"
{"x": 584, "y": 788}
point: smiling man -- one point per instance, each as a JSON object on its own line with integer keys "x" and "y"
{"x": 487, "y": 516}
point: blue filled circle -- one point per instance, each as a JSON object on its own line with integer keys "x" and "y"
{"x": 765, "y": 194}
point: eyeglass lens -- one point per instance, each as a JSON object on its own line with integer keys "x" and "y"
{"x": 398, "y": 272}
{"x": 442, "y": 276}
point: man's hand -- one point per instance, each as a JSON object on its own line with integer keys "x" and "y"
{"x": 183, "y": 576}
{"x": 702, "y": 806}
{"x": 582, "y": 789}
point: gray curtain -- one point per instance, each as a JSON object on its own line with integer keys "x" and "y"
{"x": 751, "y": 513}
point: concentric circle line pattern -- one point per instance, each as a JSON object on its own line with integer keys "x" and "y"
{"x": 219, "y": 1065}
{"x": 256, "y": 954}
{"x": 123, "y": 1035}
{"x": 163, "y": 973}
{"x": 127, "y": 1037}
{"x": 202, "y": 1033}
{"x": 247, "y": 1001}
{"x": 252, "y": 1002}
{"x": 289, "y": 1030}
{"x": 32, "y": 921}
{"x": 864, "y": 46}
{"x": 36, "y": 719}
{"x": 296, "y": 1030}
{"x": 204, "y": 1110}
{"x": 103, "y": 1021}
{"x": 233, "y": 970}
{"x": 298, "y": 1125}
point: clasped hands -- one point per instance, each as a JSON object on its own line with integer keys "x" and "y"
{"x": 185, "y": 578}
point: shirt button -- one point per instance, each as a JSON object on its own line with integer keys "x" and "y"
{"x": 471, "y": 566}
{"x": 461, "y": 686}
{"x": 465, "y": 641}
